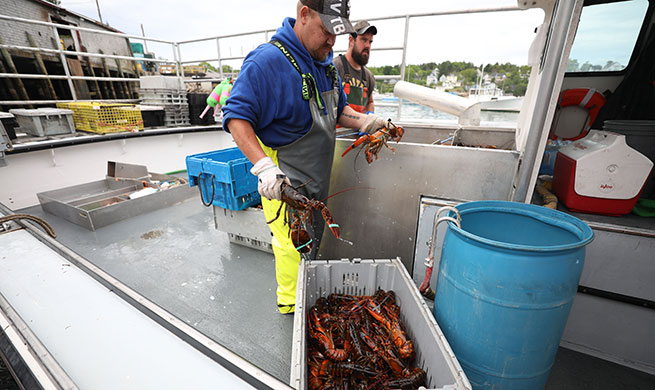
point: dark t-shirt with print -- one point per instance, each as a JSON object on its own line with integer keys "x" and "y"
{"x": 357, "y": 84}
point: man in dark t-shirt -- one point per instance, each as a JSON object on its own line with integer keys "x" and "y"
{"x": 358, "y": 82}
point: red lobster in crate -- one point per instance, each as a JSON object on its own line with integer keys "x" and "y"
{"x": 374, "y": 142}
{"x": 359, "y": 342}
{"x": 382, "y": 306}
{"x": 299, "y": 213}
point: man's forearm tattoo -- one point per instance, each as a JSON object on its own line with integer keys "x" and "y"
{"x": 352, "y": 116}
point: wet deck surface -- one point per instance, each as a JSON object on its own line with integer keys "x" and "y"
{"x": 577, "y": 371}
{"x": 176, "y": 258}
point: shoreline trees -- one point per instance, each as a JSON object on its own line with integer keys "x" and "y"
{"x": 512, "y": 79}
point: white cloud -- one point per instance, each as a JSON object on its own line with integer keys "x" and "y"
{"x": 479, "y": 38}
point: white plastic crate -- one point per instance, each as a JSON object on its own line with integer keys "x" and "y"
{"x": 163, "y": 96}
{"x": 160, "y": 82}
{"x": 245, "y": 227}
{"x": 176, "y": 121}
{"x": 320, "y": 278}
{"x": 42, "y": 122}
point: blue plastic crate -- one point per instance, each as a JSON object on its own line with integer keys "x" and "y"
{"x": 234, "y": 187}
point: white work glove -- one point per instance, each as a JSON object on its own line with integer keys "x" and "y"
{"x": 269, "y": 178}
{"x": 373, "y": 123}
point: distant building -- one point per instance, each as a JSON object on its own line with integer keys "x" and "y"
{"x": 489, "y": 89}
{"x": 15, "y": 33}
{"x": 449, "y": 81}
{"x": 433, "y": 78}
{"x": 498, "y": 77}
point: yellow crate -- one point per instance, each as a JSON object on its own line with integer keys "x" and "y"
{"x": 105, "y": 118}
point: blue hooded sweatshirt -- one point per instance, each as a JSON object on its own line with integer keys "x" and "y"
{"x": 268, "y": 91}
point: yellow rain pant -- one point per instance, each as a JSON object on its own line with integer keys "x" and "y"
{"x": 287, "y": 258}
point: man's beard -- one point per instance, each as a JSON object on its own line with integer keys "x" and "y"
{"x": 359, "y": 58}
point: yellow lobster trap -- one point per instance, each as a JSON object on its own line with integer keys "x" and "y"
{"x": 103, "y": 118}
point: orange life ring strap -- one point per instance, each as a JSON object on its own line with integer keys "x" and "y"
{"x": 588, "y": 98}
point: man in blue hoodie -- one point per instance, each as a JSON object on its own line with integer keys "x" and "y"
{"x": 282, "y": 113}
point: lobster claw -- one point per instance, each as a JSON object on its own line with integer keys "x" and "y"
{"x": 399, "y": 133}
{"x": 355, "y": 144}
{"x": 329, "y": 219}
{"x": 334, "y": 228}
{"x": 301, "y": 240}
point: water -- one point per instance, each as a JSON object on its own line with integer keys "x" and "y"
{"x": 412, "y": 112}
{"x": 6, "y": 380}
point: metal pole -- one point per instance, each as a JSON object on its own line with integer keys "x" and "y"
{"x": 64, "y": 63}
{"x": 62, "y": 77}
{"x": 99, "y": 14}
{"x": 178, "y": 64}
{"x": 402, "y": 64}
{"x": 220, "y": 61}
{"x": 145, "y": 42}
{"x": 43, "y": 102}
{"x": 480, "y": 81}
{"x": 79, "y": 53}
{"x": 75, "y": 28}
{"x": 565, "y": 19}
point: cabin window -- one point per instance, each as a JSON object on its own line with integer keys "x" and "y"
{"x": 606, "y": 36}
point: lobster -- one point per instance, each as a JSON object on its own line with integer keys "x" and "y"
{"x": 374, "y": 142}
{"x": 324, "y": 339}
{"x": 356, "y": 343}
{"x": 373, "y": 342}
{"x": 393, "y": 326}
{"x": 328, "y": 368}
{"x": 299, "y": 212}
{"x": 411, "y": 378}
{"x": 314, "y": 381}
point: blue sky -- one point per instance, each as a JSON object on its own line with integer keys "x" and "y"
{"x": 479, "y": 38}
{"x": 608, "y": 32}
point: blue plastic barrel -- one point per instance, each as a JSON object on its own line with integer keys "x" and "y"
{"x": 506, "y": 283}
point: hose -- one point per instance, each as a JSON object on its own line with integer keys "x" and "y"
{"x": 425, "y": 288}
{"x": 175, "y": 172}
{"x": 48, "y": 229}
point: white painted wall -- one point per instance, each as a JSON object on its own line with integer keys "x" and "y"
{"x": 26, "y": 174}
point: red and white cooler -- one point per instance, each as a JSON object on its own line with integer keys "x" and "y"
{"x": 600, "y": 174}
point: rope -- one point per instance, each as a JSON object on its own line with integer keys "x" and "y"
{"x": 202, "y": 197}
{"x": 48, "y": 229}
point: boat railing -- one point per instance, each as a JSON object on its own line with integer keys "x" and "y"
{"x": 402, "y": 48}
{"x": 178, "y": 59}
{"x": 69, "y": 77}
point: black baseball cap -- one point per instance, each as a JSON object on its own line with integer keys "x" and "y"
{"x": 334, "y": 14}
{"x": 362, "y": 27}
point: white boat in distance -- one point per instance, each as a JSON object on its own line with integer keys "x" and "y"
{"x": 500, "y": 103}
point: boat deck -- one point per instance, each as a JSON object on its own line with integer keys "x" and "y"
{"x": 176, "y": 258}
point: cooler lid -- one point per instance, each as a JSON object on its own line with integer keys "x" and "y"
{"x": 6, "y": 115}
{"x": 595, "y": 142}
{"x": 606, "y": 167}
